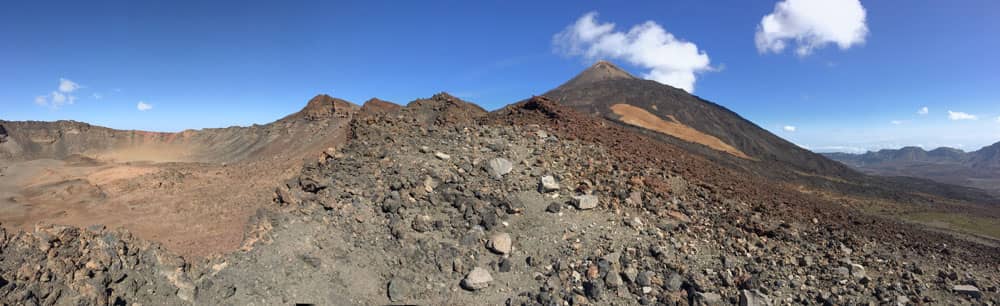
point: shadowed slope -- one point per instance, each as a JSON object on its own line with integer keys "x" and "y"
{"x": 600, "y": 87}
{"x": 979, "y": 169}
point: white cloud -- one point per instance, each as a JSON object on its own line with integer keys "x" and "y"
{"x": 58, "y": 98}
{"x": 812, "y": 24}
{"x": 961, "y": 116}
{"x": 896, "y": 122}
{"x": 998, "y": 119}
{"x": 789, "y": 128}
{"x": 846, "y": 149}
{"x": 143, "y": 106}
{"x": 923, "y": 111}
{"x": 55, "y": 100}
{"x": 61, "y": 96}
{"x": 66, "y": 85}
{"x": 97, "y": 96}
{"x": 670, "y": 60}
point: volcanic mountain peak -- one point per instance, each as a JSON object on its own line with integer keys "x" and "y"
{"x": 598, "y": 89}
{"x": 444, "y": 108}
{"x": 600, "y": 71}
{"x": 376, "y": 100}
{"x": 443, "y": 99}
{"x": 376, "y": 105}
{"x": 323, "y": 106}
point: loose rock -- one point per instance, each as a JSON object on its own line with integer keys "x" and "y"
{"x": 553, "y": 207}
{"x": 857, "y": 271}
{"x": 613, "y": 280}
{"x": 585, "y": 202}
{"x": 753, "y": 298}
{"x": 674, "y": 282}
{"x": 499, "y": 166}
{"x": 968, "y": 290}
{"x": 707, "y": 298}
{"x": 505, "y": 265}
{"x": 500, "y": 243}
{"x": 397, "y": 289}
{"x": 477, "y": 279}
{"x": 645, "y": 278}
{"x": 548, "y": 184}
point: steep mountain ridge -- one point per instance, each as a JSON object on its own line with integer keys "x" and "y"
{"x": 193, "y": 191}
{"x": 602, "y": 86}
{"x": 291, "y": 135}
{"x": 988, "y": 157}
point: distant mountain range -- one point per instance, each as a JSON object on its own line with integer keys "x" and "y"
{"x": 980, "y": 169}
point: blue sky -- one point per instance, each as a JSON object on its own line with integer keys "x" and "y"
{"x": 199, "y": 64}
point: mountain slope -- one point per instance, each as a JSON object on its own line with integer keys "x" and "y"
{"x": 605, "y": 90}
{"x": 291, "y": 135}
{"x": 193, "y": 191}
{"x": 674, "y": 116}
{"x": 417, "y": 208}
{"x": 979, "y": 169}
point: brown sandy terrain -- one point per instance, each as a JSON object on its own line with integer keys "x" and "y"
{"x": 192, "y": 191}
{"x": 193, "y": 209}
{"x": 639, "y": 117}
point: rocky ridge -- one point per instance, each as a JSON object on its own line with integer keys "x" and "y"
{"x": 420, "y": 208}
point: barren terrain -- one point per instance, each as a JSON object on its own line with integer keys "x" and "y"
{"x": 644, "y": 119}
{"x": 976, "y": 169}
{"x": 443, "y": 203}
{"x": 192, "y": 191}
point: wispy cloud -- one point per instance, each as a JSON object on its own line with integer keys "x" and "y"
{"x": 847, "y": 149}
{"x": 60, "y": 97}
{"x": 66, "y": 85}
{"x": 812, "y": 24}
{"x": 670, "y": 60}
{"x": 923, "y": 111}
{"x": 789, "y": 128}
{"x": 42, "y": 100}
{"x": 897, "y": 122}
{"x": 97, "y": 96}
{"x": 143, "y": 106}
{"x": 998, "y": 119}
{"x": 961, "y": 116}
